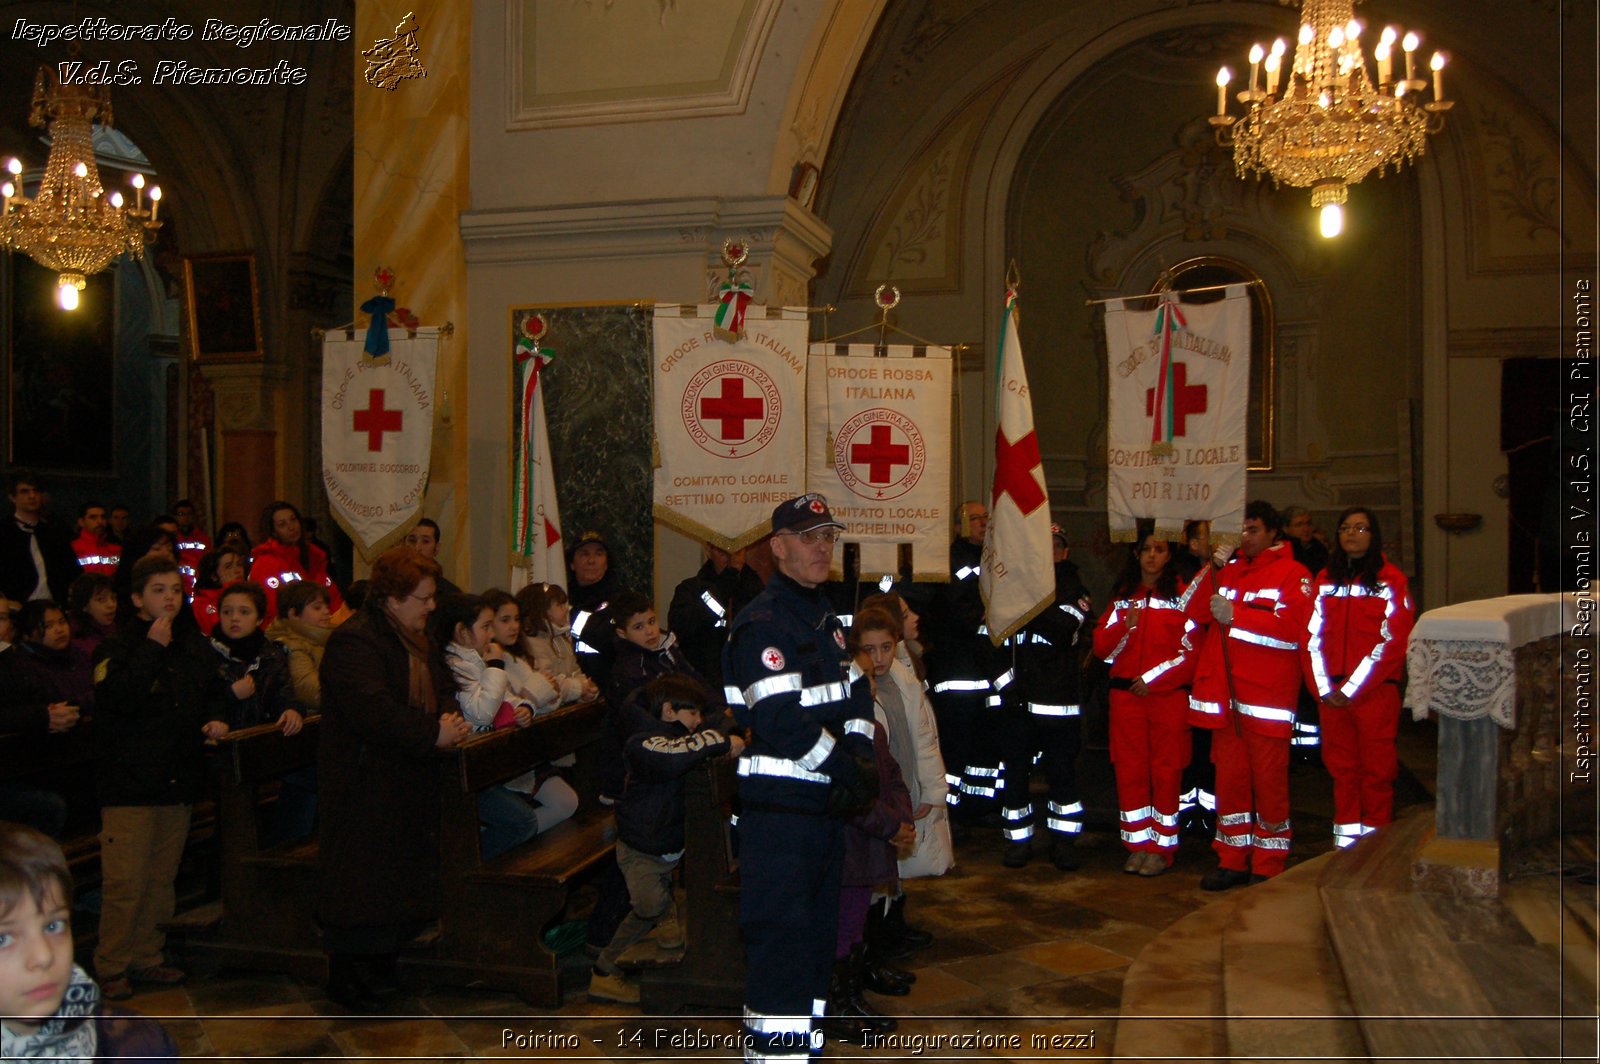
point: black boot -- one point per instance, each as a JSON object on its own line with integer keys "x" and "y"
{"x": 347, "y": 987}
{"x": 896, "y": 928}
{"x": 877, "y": 974}
{"x": 846, "y": 1019}
{"x": 869, "y": 1019}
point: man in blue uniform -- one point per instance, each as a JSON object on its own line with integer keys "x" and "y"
{"x": 809, "y": 763}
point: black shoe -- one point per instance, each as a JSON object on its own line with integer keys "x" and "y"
{"x": 1017, "y": 854}
{"x": 883, "y": 978}
{"x": 1063, "y": 854}
{"x": 900, "y": 931}
{"x": 346, "y": 987}
{"x": 1224, "y": 879}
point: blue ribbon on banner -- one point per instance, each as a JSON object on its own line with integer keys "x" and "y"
{"x": 377, "y": 343}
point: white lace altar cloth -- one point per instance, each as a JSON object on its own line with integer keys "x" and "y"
{"x": 1460, "y": 662}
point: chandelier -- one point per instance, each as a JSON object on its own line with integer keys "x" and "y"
{"x": 1332, "y": 123}
{"x": 70, "y": 225}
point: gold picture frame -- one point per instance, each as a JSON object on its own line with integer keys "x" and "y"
{"x": 223, "y": 297}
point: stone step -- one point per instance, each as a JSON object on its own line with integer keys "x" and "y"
{"x": 1284, "y": 993}
{"x": 1172, "y": 994}
{"x": 1438, "y": 975}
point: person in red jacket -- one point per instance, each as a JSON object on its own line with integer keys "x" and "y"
{"x": 96, "y": 554}
{"x": 1361, "y": 617}
{"x": 1254, "y": 608}
{"x": 1142, "y": 639}
{"x": 192, "y": 541}
{"x": 284, "y": 556}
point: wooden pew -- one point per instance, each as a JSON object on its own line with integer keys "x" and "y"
{"x": 711, "y": 973}
{"x": 494, "y": 913}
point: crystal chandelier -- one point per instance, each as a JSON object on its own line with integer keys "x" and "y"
{"x": 1332, "y": 123}
{"x": 70, "y": 225}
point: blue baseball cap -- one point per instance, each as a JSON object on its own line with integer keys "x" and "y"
{"x": 803, "y": 513}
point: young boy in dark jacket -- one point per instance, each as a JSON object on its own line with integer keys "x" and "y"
{"x": 670, "y": 735}
{"x": 151, "y": 684}
{"x": 643, "y": 650}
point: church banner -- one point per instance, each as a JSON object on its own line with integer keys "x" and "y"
{"x": 377, "y": 435}
{"x": 879, "y": 449}
{"x": 1180, "y": 390}
{"x": 729, "y": 420}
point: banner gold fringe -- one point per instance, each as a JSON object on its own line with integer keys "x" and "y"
{"x": 695, "y": 530}
{"x": 998, "y": 638}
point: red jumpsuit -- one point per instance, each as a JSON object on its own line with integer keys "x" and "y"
{"x": 1356, "y": 646}
{"x": 95, "y": 555}
{"x": 192, "y": 546}
{"x": 273, "y": 565}
{"x": 1271, "y": 597}
{"x": 1149, "y": 733}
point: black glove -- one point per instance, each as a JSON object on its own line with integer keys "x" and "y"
{"x": 854, "y": 776}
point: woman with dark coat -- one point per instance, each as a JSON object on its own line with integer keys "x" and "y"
{"x": 385, "y": 692}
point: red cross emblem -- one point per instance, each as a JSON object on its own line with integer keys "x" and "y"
{"x": 1014, "y": 465}
{"x": 375, "y": 420}
{"x": 731, "y": 408}
{"x": 1186, "y": 399}
{"x": 817, "y": 506}
{"x": 772, "y": 658}
{"x": 720, "y": 403}
{"x": 879, "y": 454}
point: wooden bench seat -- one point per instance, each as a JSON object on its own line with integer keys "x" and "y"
{"x": 493, "y": 913}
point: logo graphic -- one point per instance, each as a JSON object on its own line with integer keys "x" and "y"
{"x": 880, "y": 454}
{"x": 772, "y": 658}
{"x": 392, "y": 60}
{"x": 731, "y": 408}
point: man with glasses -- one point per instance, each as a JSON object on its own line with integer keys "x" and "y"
{"x": 1254, "y": 610}
{"x": 809, "y": 764}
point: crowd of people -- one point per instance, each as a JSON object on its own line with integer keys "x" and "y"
{"x": 874, "y": 725}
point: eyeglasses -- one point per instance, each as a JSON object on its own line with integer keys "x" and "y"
{"x": 423, "y": 598}
{"x": 812, "y": 536}
{"x": 1354, "y": 528}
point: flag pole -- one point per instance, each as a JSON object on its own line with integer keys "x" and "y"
{"x": 1254, "y": 281}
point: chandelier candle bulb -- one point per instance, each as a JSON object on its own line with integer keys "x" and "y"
{"x": 1381, "y": 53}
{"x": 1437, "y": 64}
{"x": 1223, "y": 77}
{"x": 1273, "y": 64}
{"x": 1409, "y": 43}
{"x": 1256, "y": 54}
{"x": 155, "y": 202}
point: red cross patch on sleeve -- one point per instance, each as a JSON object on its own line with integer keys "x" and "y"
{"x": 772, "y": 658}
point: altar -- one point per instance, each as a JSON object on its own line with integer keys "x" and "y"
{"x": 1499, "y": 674}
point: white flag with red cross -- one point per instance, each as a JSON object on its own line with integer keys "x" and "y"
{"x": 879, "y": 449}
{"x": 377, "y": 434}
{"x": 1017, "y": 576}
{"x": 1179, "y": 399}
{"x": 729, "y": 420}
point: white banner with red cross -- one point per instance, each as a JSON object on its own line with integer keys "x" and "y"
{"x": 879, "y": 449}
{"x": 1180, "y": 393}
{"x": 377, "y": 434}
{"x": 729, "y": 420}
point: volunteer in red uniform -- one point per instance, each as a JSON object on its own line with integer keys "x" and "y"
{"x": 284, "y": 556}
{"x": 1254, "y": 608}
{"x": 95, "y": 553}
{"x": 1142, "y": 639}
{"x": 192, "y": 542}
{"x": 1361, "y": 617}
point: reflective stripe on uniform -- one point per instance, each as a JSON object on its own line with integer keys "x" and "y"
{"x": 768, "y": 686}
{"x": 1262, "y": 640}
{"x": 968, "y": 571}
{"x": 861, "y": 726}
{"x": 1133, "y": 816}
{"x": 960, "y": 685}
{"x": 1021, "y": 834}
{"x": 823, "y": 693}
{"x": 1022, "y": 813}
{"x": 814, "y": 757}
{"x": 1200, "y": 705}
{"x": 1283, "y": 716}
{"x": 1142, "y": 835}
{"x": 1045, "y": 709}
{"x": 716, "y": 609}
{"x": 763, "y": 765}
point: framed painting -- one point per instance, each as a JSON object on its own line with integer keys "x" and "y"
{"x": 60, "y": 372}
{"x": 224, "y": 302}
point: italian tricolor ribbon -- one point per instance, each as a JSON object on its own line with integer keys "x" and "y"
{"x": 732, "y": 299}
{"x": 1169, "y": 319}
{"x": 536, "y": 531}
